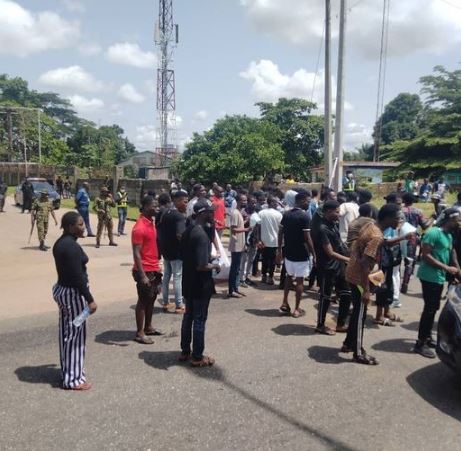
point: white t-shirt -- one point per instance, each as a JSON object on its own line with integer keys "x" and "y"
{"x": 190, "y": 206}
{"x": 348, "y": 212}
{"x": 270, "y": 223}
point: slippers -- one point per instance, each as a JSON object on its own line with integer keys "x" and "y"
{"x": 285, "y": 309}
{"x": 393, "y": 317}
{"x": 144, "y": 340}
{"x": 384, "y": 322}
{"x": 325, "y": 330}
{"x": 153, "y": 332}
{"x": 365, "y": 359}
{"x": 206, "y": 361}
{"x": 298, "y": 313}
{"x": 82, "y": 387}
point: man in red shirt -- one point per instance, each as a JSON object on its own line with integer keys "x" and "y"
{"x": 146, "y": 270}
{"x": 219, "y": 209}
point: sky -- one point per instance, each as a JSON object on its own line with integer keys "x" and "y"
{"x": 100, "y": 54}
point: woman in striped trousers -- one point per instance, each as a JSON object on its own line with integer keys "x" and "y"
{"x": 72, "y": 295}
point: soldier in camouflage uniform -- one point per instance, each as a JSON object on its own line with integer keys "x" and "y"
{"x": 102, "y": 206}
{"x": 41, "y": 210}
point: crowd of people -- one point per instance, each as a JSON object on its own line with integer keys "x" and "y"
{"x": 338, "y": 244}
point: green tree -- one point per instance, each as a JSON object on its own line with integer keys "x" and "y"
{"x": 300, "y": 132}
{"x": 237, "y": 149}
{"x": 400, "y": 120}
{"x": 438, "y": 145}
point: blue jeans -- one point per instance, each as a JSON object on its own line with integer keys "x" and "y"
{"x": 193, "y": 327}
{"x": 121, "y": 220}
{"x": 172, "y": 267}
{"x": 85, "y": 214}
{"x": 234, "y": 272}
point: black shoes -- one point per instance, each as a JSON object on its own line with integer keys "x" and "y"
{"x": 424, "y": 350}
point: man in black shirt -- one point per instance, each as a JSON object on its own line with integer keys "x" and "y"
{"x": 197, "y": 285}
{"x": 170, "y": 228}
{"x": 332, "y": 257}
{"x": 294, "y": 232}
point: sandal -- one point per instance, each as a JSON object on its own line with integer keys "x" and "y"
{"x": 384, "y": 322}
{"x": 206, "y": 361}
{"x": 285, "y": 309}
{"x": 393, "y": 317}
{"x": 325, "y": 330}
{"x": 184, "y": 357}
{"x": 180, "y": 309}
{"x": 365, "y": 359}
{"x": 144, "y": 340}
{"x": 297, "y": 313}
{"x": 82, "y": 387}
{"x": 153, "y": 332}
{"x": 166, "y": 308}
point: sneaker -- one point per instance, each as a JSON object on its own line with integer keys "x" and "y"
{"x": 113, "y": 244}
{"x": 243, "y": 285}
{"x": 431, "y": 343}
{"x": 396, "y": 304}
{"x": 424, "y": 350}
{"x": 249, "y": 282}
{"x": 264, "y": 279}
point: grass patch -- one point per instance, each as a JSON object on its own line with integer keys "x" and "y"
{"x": 133, "y": 212}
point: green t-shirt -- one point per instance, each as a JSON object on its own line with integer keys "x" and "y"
{"x": 442, "y": 244}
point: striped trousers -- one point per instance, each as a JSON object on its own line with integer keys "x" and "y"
{"x": 71, "y": 339}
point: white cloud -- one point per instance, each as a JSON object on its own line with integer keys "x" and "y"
{"x": 146, "y": 137}
{"x": 131, "y": 55}
{"x": 75, "y": 6}
{"x": 72, "y": 77}
{"x": 269, "y": 84}
{"x": 355, "y": 135}
{"x": 23, "y": 32}
{"x": 85, "y": 106}
{"x": 179, "y": 120}
{"x": 201, "y": 115}
{"x": 90, "y": 49}
{"x": 128, "y": 93}
{"x": 415, "y": 25}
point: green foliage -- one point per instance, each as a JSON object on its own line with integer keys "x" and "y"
{"x": 237, "y": 149}
{"x": 66, "y": 139}
{"x": 437, "y": 146}
{"x": 287, "y": 139}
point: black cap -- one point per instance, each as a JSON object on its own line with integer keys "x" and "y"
{"x": 201, "y": 206}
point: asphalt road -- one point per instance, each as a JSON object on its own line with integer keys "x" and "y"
{"x": 276, "y": 384}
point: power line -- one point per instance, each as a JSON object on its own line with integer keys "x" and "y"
{"x": 382, "y": 75}
{"x": 318, "y": 63}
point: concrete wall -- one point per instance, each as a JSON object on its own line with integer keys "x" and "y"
{"x": 14, "y": 173}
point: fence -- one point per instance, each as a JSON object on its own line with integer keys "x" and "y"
{"x": 14, "y": 173}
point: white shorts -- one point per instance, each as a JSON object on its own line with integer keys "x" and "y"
{"x": 298, "y": 269}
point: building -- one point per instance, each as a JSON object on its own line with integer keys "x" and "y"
{"x": 453, "y": 178}
{"x": 370, "y": 171}
{"x": 148, "y": 165}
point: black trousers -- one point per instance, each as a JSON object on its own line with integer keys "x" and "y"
{"x": 328, "y": 280}
{"x": 432, "y": 293}
{"x": 268, "y": 265}
{"x": 354, "y": 337}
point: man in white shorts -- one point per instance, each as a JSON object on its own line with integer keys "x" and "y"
{"x": 294, "y": 236}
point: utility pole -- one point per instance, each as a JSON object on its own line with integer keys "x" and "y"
{"x": 327, "y": 125}
{"x": 339, "y": 125}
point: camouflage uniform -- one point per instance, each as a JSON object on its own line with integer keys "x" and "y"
{"x": 104, "y": 219}
{"x": 42, "y": 209}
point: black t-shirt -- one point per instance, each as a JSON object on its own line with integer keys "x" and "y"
{"x": 172, "y": 223}
{"x": 195, "y": 253}
{"x": 295, "y": 222}
{"x": 328, "y": 233}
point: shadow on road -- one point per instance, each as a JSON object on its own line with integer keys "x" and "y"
{"x": 402, "y": 345}
{"x": 293, "y": 329}
{"x": 324, "y": 354}
{"x": 268, "y": 313}
{"x": 42, "y": 374}
{"x": 115, "y": 337}
{"x": 413, "y": 326}
{"x": 440, "y": 387}
{"x": 30, "y": 248}
{"x": 165, "y": 360}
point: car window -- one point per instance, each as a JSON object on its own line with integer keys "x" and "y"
{"x": 42, "y": 185}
